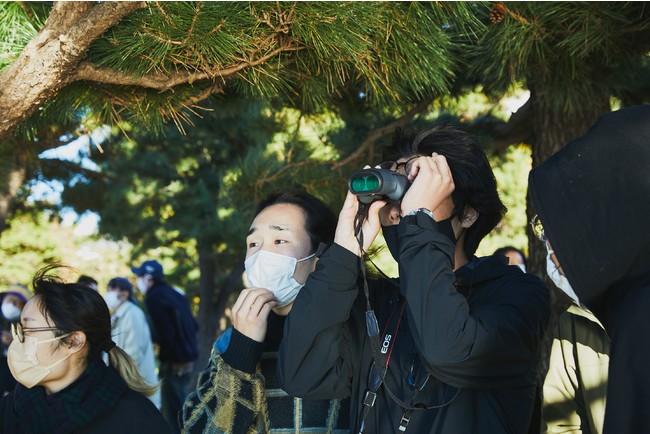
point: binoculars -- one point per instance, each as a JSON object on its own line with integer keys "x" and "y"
{"x": 373, "y": 184}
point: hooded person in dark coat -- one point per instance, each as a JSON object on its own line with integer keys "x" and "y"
{"x": 592, "y": 198}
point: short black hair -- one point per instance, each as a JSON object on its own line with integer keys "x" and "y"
{"x": 87, "y": 280}
{"x": 320, "y": 221}
{"x": 475, "y": 184}
{"x": 123, "y": 284}
{"x": 505, "y": 249}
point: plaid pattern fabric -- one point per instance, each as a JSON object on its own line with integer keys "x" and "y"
{"x": 92, "y": 395}
{"x": 231, "y": 401}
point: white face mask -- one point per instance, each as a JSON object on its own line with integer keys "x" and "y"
{"x": 112, "y": 300}
{"x": 24, "y": 365}
{"x": 274, "y": 272}
{"x": 141, "y": 284}
{"x": 558, "y": 279}
{"x": 11, "y": 312}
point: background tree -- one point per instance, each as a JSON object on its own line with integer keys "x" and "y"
{"x": 36, "y": 237}
{"x": 352, "y": 71}
{"x": 165, "y": 194}
{"x": 156, "y": 62}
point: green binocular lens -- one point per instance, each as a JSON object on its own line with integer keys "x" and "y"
{"x": 364, "y": 184}
{"x": 373, "y": 184}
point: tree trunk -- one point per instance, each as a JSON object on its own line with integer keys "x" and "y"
{"x": 50, "y": 60}
{"x": 13, "y": 172}
{"x": 213, "y": 301}
{"x": 208, "y": 321}
{"x": 10, "y": 182}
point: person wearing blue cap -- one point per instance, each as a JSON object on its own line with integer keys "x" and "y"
{"x": 174, "y": 330}
{"x": 130, "y": 330}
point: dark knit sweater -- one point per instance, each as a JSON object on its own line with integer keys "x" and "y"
{"x": 239, "y": 392}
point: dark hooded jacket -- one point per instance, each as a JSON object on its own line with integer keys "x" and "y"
{"x": 466, "y": 344}
{"x": 593, "y": 198}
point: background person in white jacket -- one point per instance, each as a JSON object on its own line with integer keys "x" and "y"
{"x": 130, "y": 330}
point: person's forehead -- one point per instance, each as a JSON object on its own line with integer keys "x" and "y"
{"x": 279, "y": 218}
{"x": 32, "y": 314}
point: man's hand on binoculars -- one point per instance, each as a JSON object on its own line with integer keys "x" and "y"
{"x": 431, "y": 185}
{"x": 345, "y": 236}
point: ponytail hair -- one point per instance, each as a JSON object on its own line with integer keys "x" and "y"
{"x": 119, "y": 360}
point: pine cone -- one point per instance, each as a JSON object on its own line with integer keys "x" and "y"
{"x": 497, "y": 13}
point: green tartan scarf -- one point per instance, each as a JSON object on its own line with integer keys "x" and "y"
{"x": 91, "y": 396}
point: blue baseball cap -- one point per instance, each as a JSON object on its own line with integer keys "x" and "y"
{"x": 152, "y": 268}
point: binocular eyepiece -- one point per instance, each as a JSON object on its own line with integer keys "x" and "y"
{"x": 373, "y": 184}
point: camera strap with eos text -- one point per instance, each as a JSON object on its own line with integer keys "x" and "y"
{"x": 382, "y": 351}
{"x": 381, "y": 354}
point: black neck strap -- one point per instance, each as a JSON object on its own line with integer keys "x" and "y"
{"x": 381, "y": 351}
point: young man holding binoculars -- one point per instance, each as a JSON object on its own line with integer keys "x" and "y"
{"x": 453, "y": 344}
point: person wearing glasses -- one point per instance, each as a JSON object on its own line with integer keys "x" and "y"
{"x": 451, "y": 346}
{"x": 575, "y": 387}
{"x": 592, "y": 201}
{"x": 63, "y": 384}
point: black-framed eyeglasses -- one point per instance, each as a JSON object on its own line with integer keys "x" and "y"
{"x": 395, "y": 166}
{"x": 538, "y": 229}
{"x": 18, "y": 331}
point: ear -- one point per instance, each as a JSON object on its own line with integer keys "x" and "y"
{"x": 77, "y": 342}
{"x": 469, "y": 217}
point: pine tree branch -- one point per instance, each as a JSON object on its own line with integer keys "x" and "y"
{"x": 78, "y": 169}
{"x": 47, "y": 62}
{"x": 377, "y": 133}
{"x": 164, "y": 82}
{"x": 278, "y": 174}
{"x": 26, "y": 9}
{"x": 199, "y": 6}
{"x": 500, "y": 135}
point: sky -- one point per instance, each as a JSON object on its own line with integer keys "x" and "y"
{"x": 77, "y": 151}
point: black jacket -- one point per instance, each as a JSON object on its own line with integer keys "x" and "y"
{"x": 476, "y": 332}
{"x": 174, "y": 326}
{"x": 593, "y": 198}
{"x": 98, "y": 402}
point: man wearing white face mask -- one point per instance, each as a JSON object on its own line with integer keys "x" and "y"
{"x": 239, "y": 391}
{"x": 13, "y": 301}
{"x": 275, "y": 272}
{"x": 130, "y": 330}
